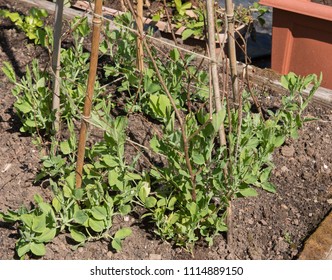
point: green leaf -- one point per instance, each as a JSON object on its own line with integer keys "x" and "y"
{"x": 37, "y": 249}
{"x": 220, "y": 225}
{"x": 98, "y": 122}
{"x": 30, "y": 123}
{"x": 265, "y": 175}
{"x": 110, "y": 161}
{"x": 56, "y": 204}
{"x": 269, "y": 187}
{"x": 294, "y": 133}
{"x": 150, "y": 202}
{"x": 202, "y": 116}
{"x": 187, "y": 33}
{"x": 132, "y": 176}
{"x": 250, "y": 179}
{"x": 156, "y": 17}
{"x": 39, "y": 223}
{"x": 23, "y": 107}
{"x": 41, "y": 34}
{"x": 155, "y": 174}
{"x": 218, "y": 119}
{"x": 27, "y": 219}
{"x": 144, "y": 191}
{"x": 284, "y": 81}
{"x": 80, "y": 217}
{"x": 174, "y": 54}
{"x": 247, "y": 192}
{"x": 173, "y": 218}
{"x": 113, "y": 178}
{"x": 192, "y": 207}
{"x": 10, "y": 216}
{"x": 9, "y": 71}
{"x": 77, "y": 235}
{"x": 198, "y": 158}
{"x": 150, "y": 86}
{"x": 99, "y": 212}
{"x": 71, "y": 180}
{"x": 178, "y": 4}
{"x": 252, "y": 143}
{"x": 15, "y": 17}
{"x": 125, "y": 209}
{"x": 186, "y": 6}
{"x": 37, "y": 198}
{"x": 47, "y": 235}
{"x": 23, "y": 249}
{"x": 65, "y": 147}
{"x": 123, "y": 233}
{"x": 171, "y": 203}
{"x": 154, "y": 144}
{"x": 97, "y": 226}
{"x": 117, "y": 244}
{"x": 67, "y": 192}
{"x": 103, "y": 47}
{"x": 161, "y": 202}
{"x": 45, "y": 207}
{"x": 78, "y": 193}
{"x": 160, "y": 105}
{"x": 40, "y": 83}
{"x": 279, "y": 141}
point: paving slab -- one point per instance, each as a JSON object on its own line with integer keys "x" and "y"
{"x": 319, "y": 244}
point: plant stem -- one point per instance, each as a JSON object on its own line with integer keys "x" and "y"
{"x": 89, "y": 93}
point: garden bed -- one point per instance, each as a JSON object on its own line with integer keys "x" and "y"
{"x": 270, "y": 226}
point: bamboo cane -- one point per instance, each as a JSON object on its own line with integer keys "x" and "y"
{"x": 236, "y": 98}
{"x": 231, "y": 48}
{"x": 139, "y": 22}
{"x": 89, "y": 92}
{"x": 56, "y": 63}
{"x": 214, "y": 69}
{"x": 218, "y": 104}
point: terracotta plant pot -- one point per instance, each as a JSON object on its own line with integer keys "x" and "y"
{"x": 302, "y": 38}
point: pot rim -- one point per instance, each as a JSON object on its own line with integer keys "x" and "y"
{"x": 305, "y": 7}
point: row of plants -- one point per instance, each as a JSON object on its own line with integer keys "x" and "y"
{"x": 192, "y": 16}
{"x": 185, "y": 199}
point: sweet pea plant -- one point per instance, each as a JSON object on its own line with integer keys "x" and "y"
{"x": 185, "y": 198}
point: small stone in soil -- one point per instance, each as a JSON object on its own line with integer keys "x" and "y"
{"x": 263, "y": 222}
{"x": 284, "y": 169}
{"x": 296, "y": 222}
{"x": 284, "y": 206}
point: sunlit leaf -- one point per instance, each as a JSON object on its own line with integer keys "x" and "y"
{"x": 38, "y": 249}
{"x": 77, "y": 235}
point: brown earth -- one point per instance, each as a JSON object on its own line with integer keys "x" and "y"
{"x": 270, "y": 226}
